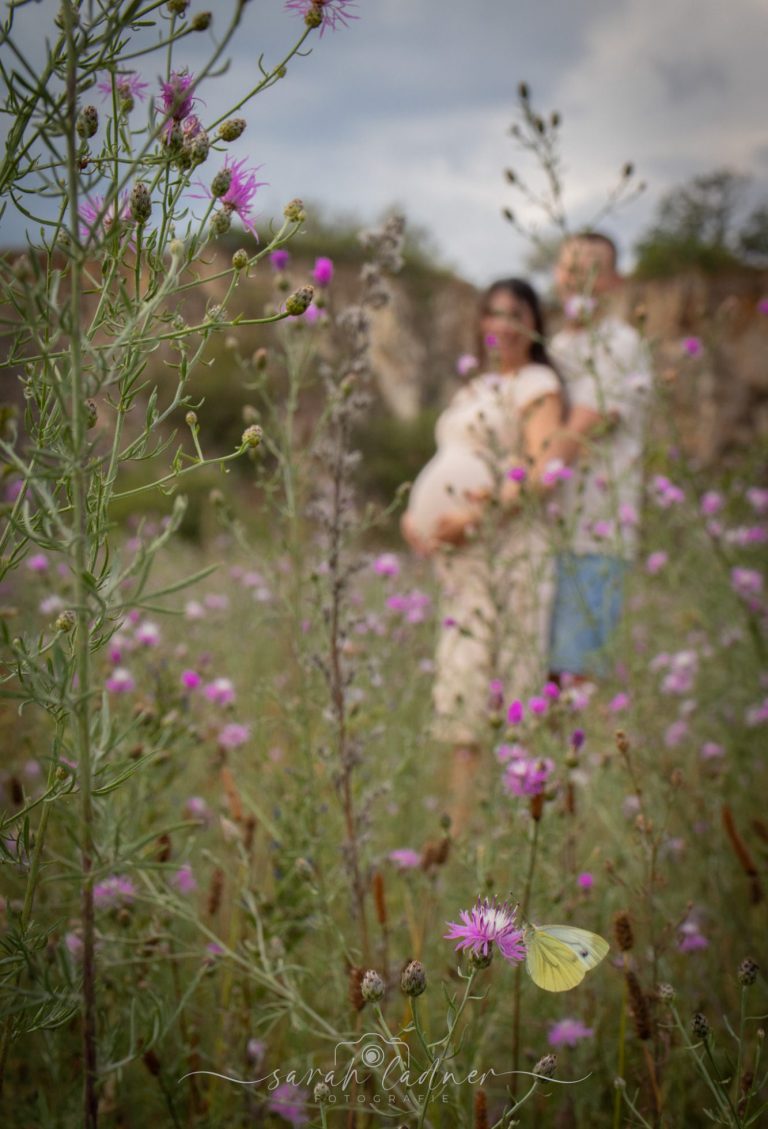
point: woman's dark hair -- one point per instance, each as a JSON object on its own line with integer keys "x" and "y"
{"x": 523, "y": 292}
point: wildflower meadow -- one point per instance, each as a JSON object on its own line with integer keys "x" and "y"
{"x": 233, "y": 889}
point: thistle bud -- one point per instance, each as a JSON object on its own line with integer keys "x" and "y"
{"x": 202, "y": 21}
{"x": 523, "y": 92}
{"x": 240, "y": 259}
{"x": 87, "y": 122}
{"x": 140, "y": 203}
{"x": 176, "y": 247}
{"x": 221, "y": 222}
{"x": 510, "y": 175}
{"x": 197, "y": 148}
{"x": 314, "y": 16}
{"x": 252, "y": 436}
{"x": 372, "y": 986}
{"x": 508, "y": 214}
{"x": 191, "y": 419}
{"x": 546, "y": 1066}
{"x": 413, "y": 979}
{"x": 178, "y": 7}
{"x": 259, "y": 359}
{"x": 478, "y": 961}
{"x": 231, "y": 129}
{"x": 65, "y": 621}
{"x": 747, "y": 973}
{"x": 700, "y": 1026}
{"x": 554, "y": 119}
{"x": 91, "y": 413}
{"x": 627, "y": 171}
{"x": 221, "y": 182}
{"x": 666, "y": 993}
{"x": 299, "y": 302}
{"x": 322, "y": 1093}
{"x": 294, "y": 211}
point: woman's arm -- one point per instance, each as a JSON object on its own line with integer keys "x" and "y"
{"x": 542, "y": 424}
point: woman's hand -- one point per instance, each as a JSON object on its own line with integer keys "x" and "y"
{"x": 455, "y": 528}
{"x": 420, "y": 546}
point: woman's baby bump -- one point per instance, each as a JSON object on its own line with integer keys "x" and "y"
{"x": 441, "y": 487}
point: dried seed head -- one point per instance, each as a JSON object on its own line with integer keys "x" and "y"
{"x": 747, "y": 973}
{"x": 322, "y": 1093}
{"x": 641, "y": 1013}
{"x": 221, "y": 222}
{"x": 623, "y": 932}
{"x": 231, "y": 129}
{"x": 700, "y": 1026}
{"x": 666, "y": 993}
{"x": 372, "y": 987}
{"x": 413, "y": 979}
{"x": 202, "y": 21}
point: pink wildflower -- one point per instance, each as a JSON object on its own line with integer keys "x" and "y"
{"x": 711, "y": 503}
{"x": 233, "y": 735}
{"x": 120, "y": 681}
{"x": 184, "y": 879}
{"x": 486, "y": 924}
{"x": 757, "y": 715}
{"x": 758, "y": 499}
{"x": 517, "y": 473}
{"x": 538, "y": 706}
{"x": 197, "y": 808}
{"x": 527, "y": 776}
{"x": 322, "y": 272}
{"x": 242, "y": 188}
{"x": 387, "y": 564}
{"x": 128, "y": 87}
{"x": 579, "y": 306}
{"x": 585, "y": 881}
{"x": 176, "y": 99}
{"x": 551, "y": 690}
{"x": 746, "y": 582}
{"x": 655, "y": 562}
{"x": 568, "y": 1032}
{"x": 710, "y": 750}
{"x": 289, "y": 1101}
{"x": 38, "y": 562}
{"x": 556, "y": 471}
{"x": 491, "y": 340}
{"x": 515, "y": 712}
{"x": 466, "y": 364}
{"x": 334, "y": 12}
{"x": 98, "y": 221}
{"x": 628, "y": 515}
{"x": 495, "y": 695}
{"x": 113, "y": 891}
{"x": 148, "y": 634}
{"x": 404, "y": 858}
{"x": 221, "y": 691}
{"x": 256, "y": 1050}
{"x": 279, "y": 258}
{"x": 692, "y": 346}
{"x": 676, "y": 733}
{"x": 690, "y": 938}
{"x": 619, "y": 702}
{"x": 190, "y": 679}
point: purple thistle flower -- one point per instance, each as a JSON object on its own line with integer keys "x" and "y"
{"x": 405, "y": 858}
{"x": 323, "y": 271}
{"x": 242, "y": 188}
{"x": 190, "y": 679}
{"x": 121, "y": 681}
{"x": 515, "y": 712}
{"x": 517, "y": 473}
{"x": 279, "y": 259}
{"x": 466, "y": 364}
{"x": 527, "y": 776}
{"x": 184, "y": 879}
{"x": 176, "y": 99}
{"x": 387, "y": 564}
{"x": 97, "y": 222}
{"x": 38, "y": 562}
{"x": 290, "y": 1102}
{"x": 334, "y": 12}
{"x": 127, "y": 86}
{"x": 568, "y": 1032}
{"x": 577, "y": 739}
{"x": 488, "y": 923}
{"x": 692, "y": 346}
{"x": 114, "y": 891}
{"x": 221, "y": 691}
{"x": 233, "y": 735}
{"x": 585, "y": 881}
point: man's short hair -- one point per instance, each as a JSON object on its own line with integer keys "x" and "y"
{"x": 596, "y": 238}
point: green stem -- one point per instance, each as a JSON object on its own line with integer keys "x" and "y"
{"x": 519, "y": 970}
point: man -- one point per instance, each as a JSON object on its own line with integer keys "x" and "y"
{"x": 607, "y": 372}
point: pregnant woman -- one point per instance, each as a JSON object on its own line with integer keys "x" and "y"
{"x": 491, "y": 552}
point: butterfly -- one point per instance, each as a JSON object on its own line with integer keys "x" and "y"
{"x": 558, "y": 957}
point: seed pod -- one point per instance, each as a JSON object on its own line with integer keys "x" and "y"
{"x": 372, "y": 987}
{"x": 221, "y": 182}
{"x": 202, "y": 21}
{"x": 300, "y": 301}
{"x": 87, "y": 123}
{"x": 231, "y": 129}
{"x": 140, "y": 203}
{"x": 413, "y": 979}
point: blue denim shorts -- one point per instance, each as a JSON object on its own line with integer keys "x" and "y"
{"x": 587, "y": 608}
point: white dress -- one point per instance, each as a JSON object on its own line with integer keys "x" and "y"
{"x": 497, "y": 591}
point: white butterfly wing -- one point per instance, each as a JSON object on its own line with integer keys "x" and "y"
{"x": 589, "y": 948}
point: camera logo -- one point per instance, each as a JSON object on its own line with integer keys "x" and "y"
{"x": 372, "y": 1052}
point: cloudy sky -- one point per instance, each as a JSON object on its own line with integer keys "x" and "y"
{"x": 411, "y": 105}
